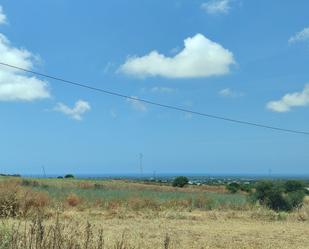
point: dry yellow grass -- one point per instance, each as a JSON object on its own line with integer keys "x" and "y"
{"x": 212, "y": 229}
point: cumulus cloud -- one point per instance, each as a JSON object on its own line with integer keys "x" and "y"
{"x": 216, "y": 6}
{"x": 227, "y": 92}
{"x": 162, "y": 89}
{"x": 200, "y": 57}
{"x": 16, "y": 85}
{"x": 290, "y": 100}
{"x": 136, "y": 104}
{"x": 300, "y": 36}
{"x": 76, "y": 112}
{"x": 2, "y": 16}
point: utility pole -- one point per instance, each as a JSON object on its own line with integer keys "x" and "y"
{"x": 44, "y": 173}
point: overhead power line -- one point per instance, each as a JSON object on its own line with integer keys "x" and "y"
{"x": 101, "y": 90}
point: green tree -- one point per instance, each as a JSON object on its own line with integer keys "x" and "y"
{"x": 180, "y": 181}
{"x": 277, "y": 201}
{"x": 263, "y": 190}
{"x": 294, "y": 185}
{"x": 69, "y": 176}
{"x": 233, "y": 187}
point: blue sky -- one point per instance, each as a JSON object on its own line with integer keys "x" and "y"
{"x": 246, "y": 60}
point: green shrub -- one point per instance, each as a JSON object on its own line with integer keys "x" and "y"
{"x": 69, "y": 176}
{"x": 296, "y": 198}
{"x": 233, "y": 187}
{"x": 246, "y": 188}
{"x": 279, "y": 198}
{"x": 277, "y": 201}
{"x": 293, "y": 185}
{"x": 180, "y": 181}
{"x": 263, "y": 190}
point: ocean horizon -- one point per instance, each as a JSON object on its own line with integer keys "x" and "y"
{"x": 172, "y": 175}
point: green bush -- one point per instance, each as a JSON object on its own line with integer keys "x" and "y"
{"x": 277, "y": 201}
{"x": 233, "y": 187}
{"x": 279, "y": 198}
{"x": 69, "y": 176}
{"x": 246, "y": 188}
{"x": 293, "y": 185}
{"x": 180, "y": 181}
{"x": 263, "y": 190}
{"x": 296, "y": 198}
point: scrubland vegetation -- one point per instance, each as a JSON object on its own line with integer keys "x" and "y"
{"x": 72, "y": 213}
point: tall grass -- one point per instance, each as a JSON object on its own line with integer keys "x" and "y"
{"x": 105, "y": 196}
{"x": 18, "y": 197}
{"x": 37, "y": 234}
{"x": 16, "y": 201}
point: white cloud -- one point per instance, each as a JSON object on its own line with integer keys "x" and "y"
{"x": 227, "y": 92}
{"x": 290, "y": 100}
{"x": 216, "y": 6}
{"x": 16, "y": 85}
{"x": 136, "y": 104}
{"x": 76, "y": 112}
{"x": 200, "y": 57}
{"x": 300, "y": 36}
{"x": 162, "y": 89}
{"x": 2, "y": 16}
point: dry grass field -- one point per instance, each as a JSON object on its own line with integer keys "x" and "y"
{"x": 121, "y": 215}
{"x": 198, "y": 229}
